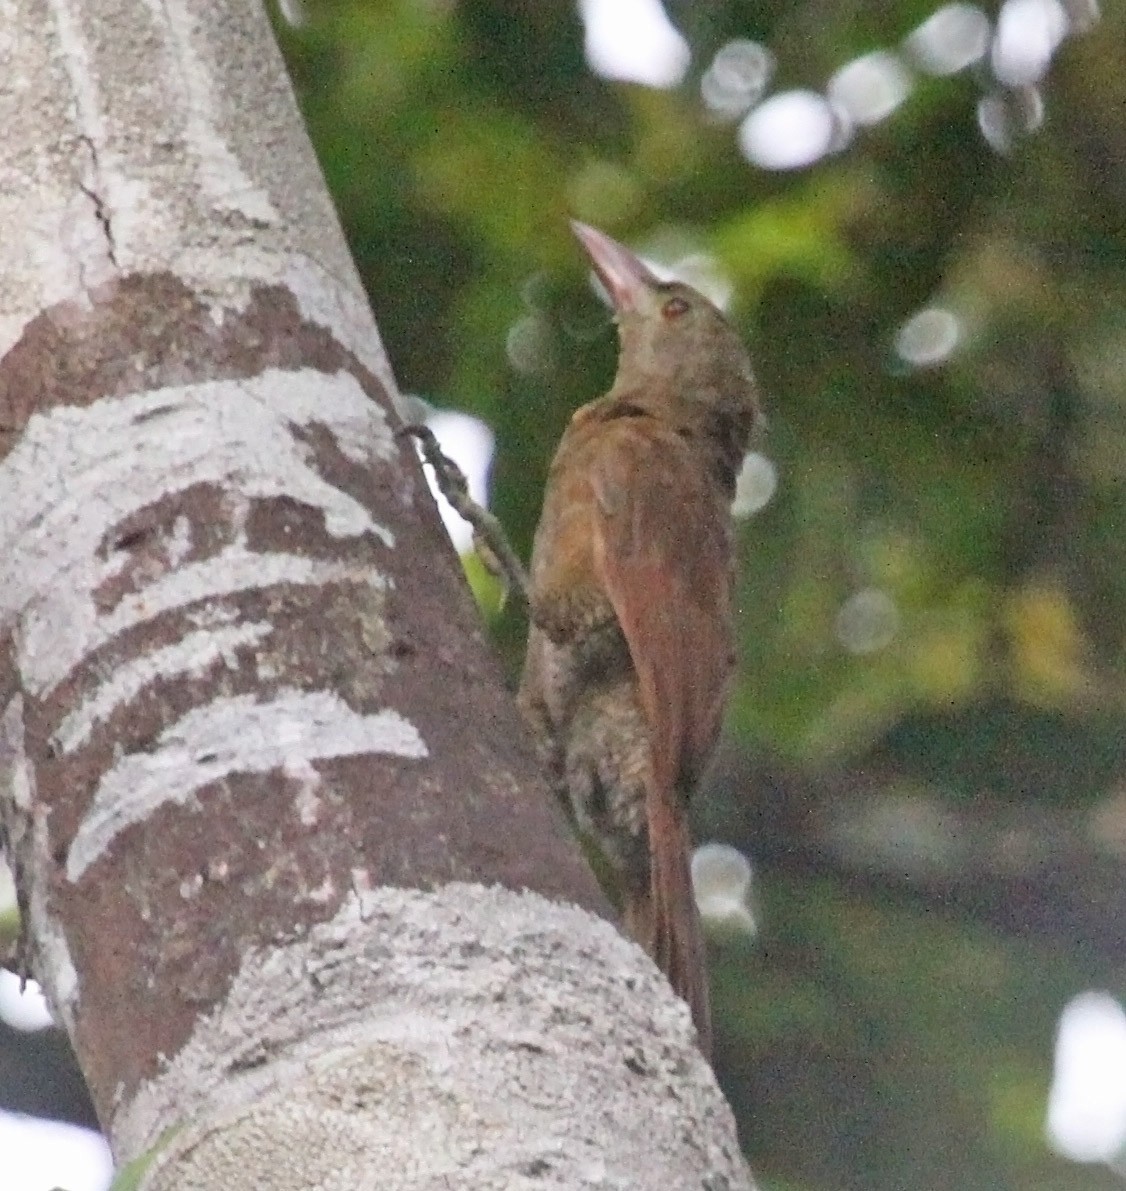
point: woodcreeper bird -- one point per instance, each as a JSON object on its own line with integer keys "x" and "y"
{"x": 631, "y": 640}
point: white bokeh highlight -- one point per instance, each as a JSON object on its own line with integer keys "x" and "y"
{"x": 1028, "y": 34}
{"x": 950, "y": 39}
{"x": 721, "y": 882}
{"x": 737, "y": 78}
{"x": 1087, "y": 1103}
{"x": 871, "y": 87}
{"x": 929, "y": 337}
{"x": 755, "y": 485}
{"x": 24, "y": 1010}
{"x": 634, "y": 41}
{"x": 36, "y": 1155}
{"x": 789, "y": 131}
{"x": 1005, "y": 115}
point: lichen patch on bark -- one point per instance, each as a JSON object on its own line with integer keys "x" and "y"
{"x": 471, "y": 1035}
{"x": 236, "y": 689}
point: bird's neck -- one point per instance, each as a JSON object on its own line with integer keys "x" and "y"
{"x": 717, "y": 415}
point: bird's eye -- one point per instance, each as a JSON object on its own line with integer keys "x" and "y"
{"x": 674, "y": 308}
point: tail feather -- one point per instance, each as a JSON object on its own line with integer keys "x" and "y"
{"x": 663, "y": 918}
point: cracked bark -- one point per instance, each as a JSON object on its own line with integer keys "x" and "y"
{"x": 100, "y": 212}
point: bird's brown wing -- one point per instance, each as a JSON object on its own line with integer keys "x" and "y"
{"x": 661, "y": 551}
{"x": 660, "y": 547}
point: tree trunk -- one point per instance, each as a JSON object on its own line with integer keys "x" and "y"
{"x": 289, "y": 878}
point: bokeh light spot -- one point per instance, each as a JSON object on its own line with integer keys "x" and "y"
{"x": 790, "y": 130}
{"x": 952, "y": 38}
{"x": 755, "y": 485}
{"x": 1005, "y": 116}
{"x": 24, "y": 1010}
{"x": 928, "y": 338}
{"x": 36, "y": 1154}
{"x": 870, "y": 88}
{"x": 1087, "y": 1103}
{"x": 530, "y": 345}
{"x": 721, "y": 882}
{"x": 867, "y": 621}
{"x": 1028, "y": 34}
{"x": 634, "y": 41}
{"x": 737, "y": 78}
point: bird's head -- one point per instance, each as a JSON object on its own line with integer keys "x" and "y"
{"x": 672, "y": 337}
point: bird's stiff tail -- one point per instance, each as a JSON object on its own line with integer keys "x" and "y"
{"x": 663, "y": 917}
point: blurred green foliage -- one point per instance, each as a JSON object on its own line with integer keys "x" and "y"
{"x": 981, "y": 498}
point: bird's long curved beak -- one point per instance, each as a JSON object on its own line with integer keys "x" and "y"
{"x": 623, "y": 274}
